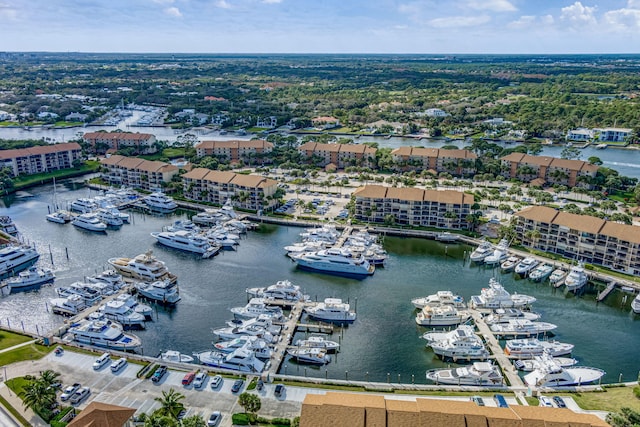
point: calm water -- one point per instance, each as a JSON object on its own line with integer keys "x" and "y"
{"x": 384, "y": 339}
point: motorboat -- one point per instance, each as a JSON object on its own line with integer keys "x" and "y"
{"x": 529, "y": 347}
{"x": 444, "y": 315}
{"x": 67, "y": 306}
{"x": 460, "y": 344}
{"x": 161, "y": 291}
{"x": 254, "y": 308}
{"x": 327, "y": 233}
{"x": 7, "y": 225}
{"x": 282, "y": 290}
{"x": 528, "y": 365}
{"x": 557, "y": 277}
{"x": 184, "y": 225}
{"x": 30, "y": 278}
{"x": 59, "y": 217}
{"x": 209, "y": 217}
{"x": 439, "y": 298}
{"x": 477, "y": 374}
{"x": 186, "y": 241}
{"x": 108, "y": 217}
{"x": 143, "y": 267}
{"x": 175, "y": 356}
{"x": 318, "y": 341}
{"x": 100, "y": 333}
{"x": 481, "y": 252}
{"x": 549, "y": 374}
{"x": 526, "y": 265}
{"x": 510, "y": 263}
{"x": 103, "y": 288}
{"x": 91, "y": 296}
{"x": 576, "y": 279}
{"x": 301, "y": 247}
{"x": 15, "y": 258}
{"x": 541, "y": 272}
{"x": 334, "y": 260}
{"x": 521, "y": 328}
{"x": 115, "y": 212}
{"x": 503, "y": 315}
{"x": 131, "y": 302}
{"x": 220, "y": 240}
{"x": 496, "y": 296}
{"x": 123, "y": 314}
{"x": 259, "y": 346}
{"x": 83, "y": 205}
{"x": 110, "y": 277}
{"x": 160, "y": 201}
{"x": 635, "y": 304}
{"x": 310, "y": 355}
{"x": 241, "y": 359}
{"x": 500, "y": 253}
{"x": 447, "y": 237}
{"x": 435, "y": 336}
{"x": 90, "y": 222}
{"x": 261, "y": 327}
{"x": 331, "y": 310}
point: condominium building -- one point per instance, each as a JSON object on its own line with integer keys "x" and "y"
{"x": 614, "y": 134}
{"x": 137, "y": 173}
{"x": 581, "y": 237}
{"x": 101, "y": 142}
{"x": 40, "y": 158}
{"x": 455, "y": 162}
{"x": 550, "y": 169}
{"x": 374, "y": 410}
{"x": 250, "y": 192}
{"x": 413, "y": 206}
{"x": 252, "y": 151}
{"x": 341, "y": 155}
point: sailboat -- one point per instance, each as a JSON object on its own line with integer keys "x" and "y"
{"x": 57, "y": 216}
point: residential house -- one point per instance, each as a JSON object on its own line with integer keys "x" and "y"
{"x": 46, "y": 115}
{"x": 580, "y": 135}
{"x": 76, "y": 117}
{"x": 552, "y": 170}
{"x": 341, "y": 155}
{"x": 267, "y": 122}
{"x": 250, "y": 152}
{"x": 455, "y": 162}
{"x": 100, "y": 142}
{"x": 40, "y": 158}
{"x": 325, "y": 122}
{"x": 137, "y": 173}
{"x": 614, "y": 134}
{"x": 435, "y": 112}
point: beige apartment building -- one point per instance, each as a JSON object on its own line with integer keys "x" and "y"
{"x": 101, "y": 142}
{"x": 340, "y": 155}
{"x": 41, "y": 158}
{"x": 137, "y": 173}
{"x": 250, "y": 152}
{"x": 455, "y": 162}
{"x": 550, "y": 169}
{"x": 413, "y": 206}
{"x": 250, "y": 192}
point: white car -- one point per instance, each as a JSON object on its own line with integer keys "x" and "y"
{"x": 200, "y": 379}
{"x": 68, "y": 392}
{"x": 216, "y": 381}
{"x": 546, "y": 401}
{"x": 118, "y": 364}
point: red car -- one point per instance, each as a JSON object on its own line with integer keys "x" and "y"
{"x": 188, "y": 378}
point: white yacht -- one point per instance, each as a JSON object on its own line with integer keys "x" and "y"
{"x": 528, "y": 365}
{"x": 550, "y": 374}
{"x": 160, "y": 201}
{"x": 110, "y": 277}
{"x": 521, "y": 328}
{"x": 108, "y": 217}
{"x": 259, "y": 346}
{"x": 254, "y": 308}
{"x": 444, "y": 315}
{"x": 59, "y": 217}
{"x": 460, "y": 344}
{"x": 331, "y": 310}
{"x": 123, "y": 314}
{"x": 130, "y": 301}
{"x": 186, "y": 241}
{"x": 435, "y": 336}
{"x": 495, "y": 296}
{"x": 500, "y": 253}
{"x": 576, "y": 279}
{"x": 481, "y": 252}
{"x": 106, "y": 334}
{"x": 318, "y": 341}
{"x": 30, "y": 278}
{"x": 510, "y": 263}
{"x": 298, "y": 248}
{"x": 557, "y": 277}
{"x": 635, "y": 304}
{"x": 439, "y": 298}
{"x": 69, "y": 306}
{"x": 184, "y": 225}
{"x": 15, "y": 258}
{"x": 503, "y": 315}
{"x": 541, "y": 272}
{"x": 336, "y": 261}
{"x": 143, "y": 267}
{"x": 526, "y": 265}
{"x": 161, "y": 291}
{"x": 241, "y": 359}
{"x": 529, "y": 347}
{"x": 90, "y": 295}
{"x": 209, "y": 217}
{"x": 282, "y": 290}
{"x": 83, "y": 205}
{"x": 477, "y": 374}
{"x": 89, "y": 221}
{"x": 310, "y": 355}
{"x": 327, "y": 233}
{"x": 261, "y": 327}
{"x": 175, "y": 356}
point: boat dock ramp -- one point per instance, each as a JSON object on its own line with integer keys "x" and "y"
{"x": 344, "y": 236}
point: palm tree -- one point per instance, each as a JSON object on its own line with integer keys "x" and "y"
{"x": 170, "y": 403}
{"x": 38, "y": 395}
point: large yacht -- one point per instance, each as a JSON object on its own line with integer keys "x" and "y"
{"x": 69, "y": 306}
{"x": 310, "y": 355}
{"x": 160, "y": 201}
{"x": 241, "y": 359}
{"x": 481, "y": 252}
{"x": 477, "y": 374}
{"x": 186, "y": 241}
{"x": 90, "y": 295}
{"x": 521, "y": 328}
{"x": 529, "y": 347}
{"x": 331, "y": 310}
{"x": 439, "y": 298}
{"x": 14, "y": 259}
{"x": 500, "y": 253}
{"x": 106, "y": 334}
{"x": 259, "y": 346}
{"x": 577, "y": 278}
{"x": 496, "y": 296}
{"x": 89, "y": 221}
{"x": 336, "y": 261}
{"x": 83, "y": 205}
{"x": 162, "y": 291}
{"x": 109, "y": 217}
{"x": 503, "y": 315}
{"x": 557, "y": 277}
{"x": 444, "y": 315}
{"x": 528, "y": 365}
{"x": 550, "y": 374}
{"x": 254, "y": 308}
{"x": 143, "y": 267}
{"x": 318, "y": 341}
{"x": 30, "y": 278}
{"x": 123, "y": 314}
{"x": 460, "y": 344}
{"x": 282, "y": 290}
{"x": 261, "y": 327}
{"x": 526, "y": 265}
{"x": 130, "y": 301}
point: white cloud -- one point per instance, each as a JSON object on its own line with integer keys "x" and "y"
{"x": 223, "y": 4}
{"x": 173, "y": 11}
{"x": 531, "y": 22}
{"x": 272, "y": 1}
{"x": 492, "y": 5}
{"x": 409, "y": 8}
{"x": 163, "y": 1}
{"x": 8, "y": 12}
{"x": 633, "y": 4}
{"x": 623, "y": 19}
{"x": 459, "y": 21}
{"x": 578, "y": 15}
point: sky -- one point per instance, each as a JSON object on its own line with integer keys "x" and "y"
{"x": 321, "y": 26}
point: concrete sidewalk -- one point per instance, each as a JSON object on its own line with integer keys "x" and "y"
{"x": 17, "y": 346}
{"x": 16, "y": 402}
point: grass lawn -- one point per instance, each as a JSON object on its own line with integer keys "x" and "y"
{"x": 29, "y": 352}
{"x": 612, "y": 399}
{"x": 9, "y": 339}
{"x": 17, "y": 384}
{"x": 28, "y": 180}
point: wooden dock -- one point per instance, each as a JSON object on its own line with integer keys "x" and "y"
{"x": 602, "y": 295}
{"x": 344, "y": 236}
{"x": 288, "y": 330}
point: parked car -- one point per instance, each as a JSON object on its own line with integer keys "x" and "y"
{"x": 214, "y": 419}
{"x": 216, "y": 381}
{"x": 159, "y": 373}
{"x": 80, "y": 395}
{"x": 559, "y": 402}
{"x": 260, "y": 385}
{"x": 477, "y": 400}
{"x": 545, "y": 401}
{"x": 181, "y": 414}
{"x": 68, "y": 392}
{"x": 279, "y": 392}
{"x": 101, "y": 361}
{"x": 118, "y": 364}
{"x": 500, "y": 401}
{"x": 237, "y": 386}
{"x": 200, "y": 379}
{"x": 188, "y": 378}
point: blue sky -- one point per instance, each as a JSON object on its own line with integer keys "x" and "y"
{"x": 319, "y": 26}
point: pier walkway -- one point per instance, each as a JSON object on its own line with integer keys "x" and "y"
{"x": 288, "y": 330}
{"x": 344, "y": 236}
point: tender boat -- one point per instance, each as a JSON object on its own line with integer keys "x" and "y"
{"x": 510, "y": 263}
{"x": 30, "y": 278}
{"x": 15, "y": 258}
{"x": 528, "y": 365}
{"x": 495, "y": 296}
{"x": 503, "y": 315}
{"x": 317, "y": 341}
{"x": 108, "y": 217}
{"x": 241, "y": 359}
{"x": 83, "y": 205}
{"x": 331, "y": 310}
{"x": 549, "y": 374}
{"x": 541, "y": 272}
{"x": 254, "y": 308}
{"x": 557, "y": 277}
{"x": 460, "y": 344}
{"x": 635, "y": 304}
{"x": 444, "y": 315}
{"x": 59, "y": 217}
{"x": 186, "y": 241}
{"x": 90, "y": 222}
{"x": 439, "y": 298}
{"x": 175, "y": 356}
{"x": 576, "y": 279}
{"x": 526, "y": 265}
{"x": 529, "y": 347}
{"x": 143, "y": 267}
{"x": 336, "y": 261}
{"x": 481, "y": 252}
{"x": 68, "y": 306}
{"x": 477, "y": 374}
{"x": 160, "y": 201}
{"x": 259, "y": 346}
{"x": 500, "y": 253}
{"x": 521, "y": 328}
{"x": 283, "y": 290}
{"x": 310, "y": 355}
{"x": 162, "y": 291}
{"x": 123, "y": 314}
{"x": 7, "y": 225}
{"x": 107, "y": 334}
